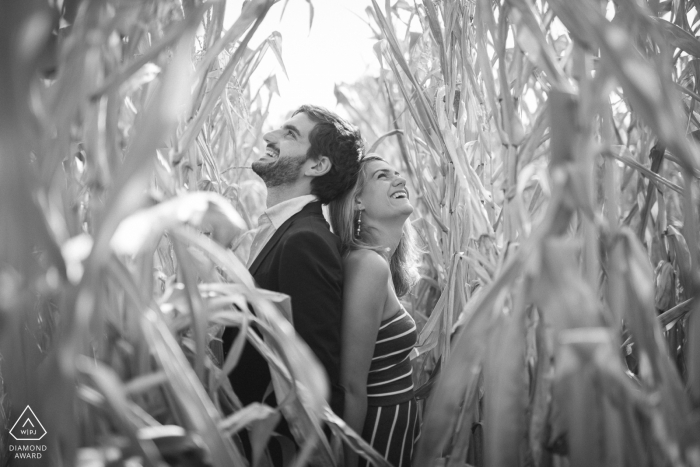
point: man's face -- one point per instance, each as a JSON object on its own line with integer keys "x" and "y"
{"x": 285, "y": 152}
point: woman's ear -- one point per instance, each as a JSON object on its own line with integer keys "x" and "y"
{"x": 359, "y": 205}
{"x": 318, "y": 167}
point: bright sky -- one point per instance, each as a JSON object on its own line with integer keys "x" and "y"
{"x": 337, "y": 49}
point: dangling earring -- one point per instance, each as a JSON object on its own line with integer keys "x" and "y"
{"x": 359, "y": 224}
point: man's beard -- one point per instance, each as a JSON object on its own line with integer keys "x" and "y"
{"x": 283, "y": 171}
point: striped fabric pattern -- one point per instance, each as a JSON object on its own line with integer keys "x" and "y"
{"x": 389, "y": 380}
{"x": 392, "y": 431}
{"x": 391, "y": 424}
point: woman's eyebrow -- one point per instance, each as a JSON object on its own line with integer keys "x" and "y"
{"x": 387, "y": 171}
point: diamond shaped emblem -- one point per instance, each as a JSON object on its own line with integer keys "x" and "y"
{"x": 28, "y": 427}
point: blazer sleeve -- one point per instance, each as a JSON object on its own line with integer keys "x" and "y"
{"x": 310, "y": 272}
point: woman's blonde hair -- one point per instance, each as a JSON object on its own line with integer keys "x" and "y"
{"x": 344, "y": 217}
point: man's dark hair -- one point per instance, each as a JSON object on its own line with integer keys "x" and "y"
{"x": 341, "y": 143}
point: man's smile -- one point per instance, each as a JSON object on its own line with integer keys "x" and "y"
{"x": 271, "y": 151}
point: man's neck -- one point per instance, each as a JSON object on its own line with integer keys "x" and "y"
{"x": 279, "y": 194}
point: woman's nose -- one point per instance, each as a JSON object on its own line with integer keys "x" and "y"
{"x": 400, "y": 181}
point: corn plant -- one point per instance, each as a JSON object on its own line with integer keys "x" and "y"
{"x": 551, "y": 148}
{"x": 551, "y": 145}
{"x": 126, "y": 129}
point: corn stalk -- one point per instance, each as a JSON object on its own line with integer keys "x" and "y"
{"x": 126, "y": 129}
{"x": 551, "y": 147}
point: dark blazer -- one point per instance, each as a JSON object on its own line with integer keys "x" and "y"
{"x": 302, "y": 260}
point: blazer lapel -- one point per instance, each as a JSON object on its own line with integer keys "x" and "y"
{"x": 307, "y": 210}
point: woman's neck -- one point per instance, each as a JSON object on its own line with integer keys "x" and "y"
{"x": 386, "y": 236}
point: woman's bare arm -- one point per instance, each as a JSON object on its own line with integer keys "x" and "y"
{"x": 364, "y": 296}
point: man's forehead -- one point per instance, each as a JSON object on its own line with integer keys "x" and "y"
{"x": 301, "y": 122}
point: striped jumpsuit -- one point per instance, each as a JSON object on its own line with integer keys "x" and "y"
{"x": 391, "y": 425}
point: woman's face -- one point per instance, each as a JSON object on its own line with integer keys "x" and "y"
{"x": 384, "y": 196}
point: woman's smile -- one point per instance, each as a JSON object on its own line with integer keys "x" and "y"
{"x": 385, "y": 195}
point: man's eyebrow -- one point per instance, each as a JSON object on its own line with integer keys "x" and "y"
{"x": 291, "y": 128}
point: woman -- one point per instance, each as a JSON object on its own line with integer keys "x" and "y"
{"x": 377, "y": 333}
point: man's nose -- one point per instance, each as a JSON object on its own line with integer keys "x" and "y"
{"x": 271, "y": 136}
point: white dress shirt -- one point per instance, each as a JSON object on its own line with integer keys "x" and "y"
{"x": 271, "y": 220}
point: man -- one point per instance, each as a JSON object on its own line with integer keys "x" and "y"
{"x": 309, "y": 161}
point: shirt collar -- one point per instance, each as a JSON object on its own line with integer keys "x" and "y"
{"x": 279, "y": 213}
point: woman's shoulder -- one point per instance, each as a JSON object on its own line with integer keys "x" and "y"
{"x": 366, "y": 262}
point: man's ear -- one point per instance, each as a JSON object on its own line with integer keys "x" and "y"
{"x": 318, "y": 167}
